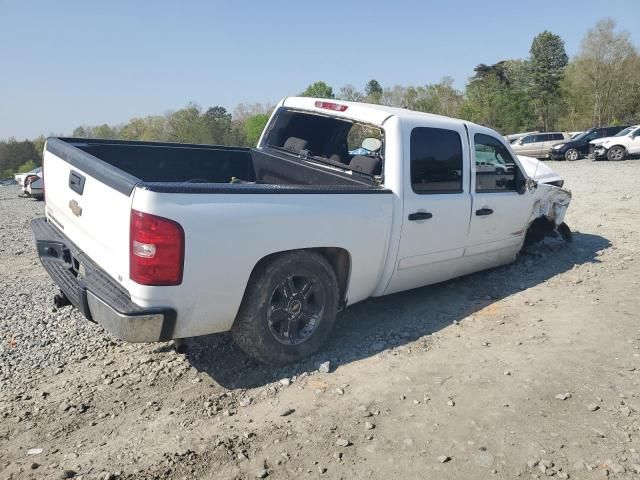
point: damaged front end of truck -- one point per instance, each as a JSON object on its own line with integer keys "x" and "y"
{"x": 547, "y": 217}
{"x": 552, "y": 202}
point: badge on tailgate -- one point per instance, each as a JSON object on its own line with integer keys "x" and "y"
{"x": 76, "y": 209}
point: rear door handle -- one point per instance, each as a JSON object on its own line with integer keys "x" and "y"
{"x": 420, "y": 216}
{"x": 484, "y": 211}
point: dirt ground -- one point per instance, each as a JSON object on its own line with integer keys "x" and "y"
{"x": 529, "y": 370}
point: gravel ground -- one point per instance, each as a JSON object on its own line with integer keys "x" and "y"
{"x": 529, "y": 370}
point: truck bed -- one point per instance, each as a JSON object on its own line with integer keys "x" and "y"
{"x": 93, "y": 186}
{"x": 186, "y": 168}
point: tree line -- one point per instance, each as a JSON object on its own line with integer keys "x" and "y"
{"x": 545, "y": 91}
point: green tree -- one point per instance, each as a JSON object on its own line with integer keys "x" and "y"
{"x": 80, "y": 132}
{"x": 497, "y": 96}
{"x": 374, "y": 91}
{"x": 603, "y": 81}
{"x": 188, "y": 126}
{"x": 547, "y": 63}
{"x": 27, "y": 166}
{"x": 38, "y": 147}
{"x": 246, "y": 110}
{"x": 350, "y": 94}
{"x": 440, "y": 98}
{"x": 318, "y": 90}
{"x": 253, "y": 127}
{"x": 14, "y": 154}
{"x": 104, "y": 131}
{"x": 218, "y": 122}
{"x": 395, "y": 97}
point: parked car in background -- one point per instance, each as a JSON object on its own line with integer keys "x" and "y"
{"x": 578, "y": 146}
{"x": 599, "y": 141}
{"x": 514, "y": 137}
{"x": 160, "y": 241}
{"x": 619, "y": 148}
{"x": 575, "y": 134}
{"x": 35, "y": 187}
{"x": 26, "y": 179}
{"x": 537, "y": 145}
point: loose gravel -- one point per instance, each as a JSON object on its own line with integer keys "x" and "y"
{"x": 524, "y": 371}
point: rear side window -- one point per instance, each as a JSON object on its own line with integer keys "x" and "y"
{"x": 557, "y": 136}
{"x": 436, "y": 161}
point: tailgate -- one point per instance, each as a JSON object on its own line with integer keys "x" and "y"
{"x": 90, "y": 201}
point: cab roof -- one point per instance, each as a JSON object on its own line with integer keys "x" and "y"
{"x": 364, "y": 112}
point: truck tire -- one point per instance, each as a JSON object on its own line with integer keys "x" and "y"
{"x": 288, "y": 309}
{"x": 616, "y": 153}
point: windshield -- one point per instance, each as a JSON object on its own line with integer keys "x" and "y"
{"x": 582, "y": 135}
{"x": 622, "y": 133}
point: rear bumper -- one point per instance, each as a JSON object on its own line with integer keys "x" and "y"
{"x": 94, "y": 293}
{"x": 35, "y": 192}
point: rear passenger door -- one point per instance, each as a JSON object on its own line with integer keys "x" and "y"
{"x": 547, "y": 140}
{"x": 437, "y": 204}
{"x": 537, "y": 146}
{"x": 499, "y": 216}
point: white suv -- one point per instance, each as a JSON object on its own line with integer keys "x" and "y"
{"x": 619, "y": 147}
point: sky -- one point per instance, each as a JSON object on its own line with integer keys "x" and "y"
{"x": 70, "y": 63}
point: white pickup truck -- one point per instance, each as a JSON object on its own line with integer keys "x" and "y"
{"x": 339, "y": 202}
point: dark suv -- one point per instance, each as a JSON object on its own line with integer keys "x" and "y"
{"x": 579, "y": 146}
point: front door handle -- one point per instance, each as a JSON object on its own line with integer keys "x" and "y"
{"x": 420, "y": 216}
{"x": 484, "y": 211}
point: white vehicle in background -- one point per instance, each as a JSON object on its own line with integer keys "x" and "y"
{"x": 31, "y": 183}
{"x": 35, "y": 188}
{"x": 599, "y": 141}
{"x": 619, "y": 147}
{"x": 161, "y": 241}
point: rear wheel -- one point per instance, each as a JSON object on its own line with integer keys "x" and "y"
{"x": 572, "y": 154}
{"x": 288, "y": 309}
{"x": 616, "y": 154}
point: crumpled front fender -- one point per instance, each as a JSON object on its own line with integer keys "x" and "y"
{"x": 552, "y": 203}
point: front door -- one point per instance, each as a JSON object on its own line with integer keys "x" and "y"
{"x": 437, "y": 205}
{"x": 528, "y": 146}
{"x": 499, "y": 215}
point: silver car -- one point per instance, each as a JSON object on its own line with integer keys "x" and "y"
{"x": 538, "y": 144}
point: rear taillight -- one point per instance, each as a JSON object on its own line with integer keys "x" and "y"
{"x": 156, "y": 250}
